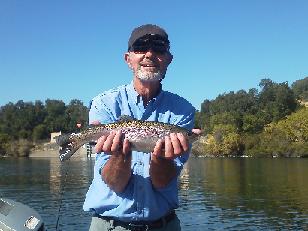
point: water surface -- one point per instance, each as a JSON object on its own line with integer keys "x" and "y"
{"x": 215, "y": 194}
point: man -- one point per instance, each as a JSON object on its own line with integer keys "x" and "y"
{"x": 134, "y": 190}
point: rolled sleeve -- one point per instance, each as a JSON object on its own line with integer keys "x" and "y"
{"x": 100, "y": 161}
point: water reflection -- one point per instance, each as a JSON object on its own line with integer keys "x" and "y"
{"x": 254, "y": 192}
{"x": 215, "y": 194}
{"x": 49, "y": 186}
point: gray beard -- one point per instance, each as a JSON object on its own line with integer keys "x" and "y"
{"x": 148, "y": 76}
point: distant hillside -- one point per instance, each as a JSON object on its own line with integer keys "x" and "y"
{"x": 236, "y": 123}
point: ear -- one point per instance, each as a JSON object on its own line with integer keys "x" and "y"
{"x": 127, "y": 58}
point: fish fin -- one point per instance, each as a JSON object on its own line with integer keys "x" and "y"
{"x": 123, "y": 118}
{"x": 93, "y": 125}
{"x": 67, "y": 146}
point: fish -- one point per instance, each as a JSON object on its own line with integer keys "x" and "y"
{"x": 141, "y": 134}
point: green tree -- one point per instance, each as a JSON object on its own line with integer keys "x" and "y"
{"x": 253, "y": 123}
{"x": 287, "y": 137}
{"x": 4, "y": 140}
{"x": 8, "y": 120}
{"x": 223, "y": 141}
{"x": 226, "y": 118}
{"x": 300, "y": 89}
{"x": 75, "y": 113}
{"x": 55, "y": 119}
{"x": 295, "y": 126}
{"x": 276, "y": 100}
{"x": 40, "y": 132}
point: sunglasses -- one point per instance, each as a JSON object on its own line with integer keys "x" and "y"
{"x": 157, "y": 46}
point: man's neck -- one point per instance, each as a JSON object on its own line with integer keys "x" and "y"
{"x": 147, "y": 90}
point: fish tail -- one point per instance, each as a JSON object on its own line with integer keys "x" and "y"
{"x": 68, "y": 146}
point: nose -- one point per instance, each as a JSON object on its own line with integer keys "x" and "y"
{"x": 149, "y": 53}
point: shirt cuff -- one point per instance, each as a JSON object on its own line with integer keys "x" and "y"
{"x": 100, "y": 162}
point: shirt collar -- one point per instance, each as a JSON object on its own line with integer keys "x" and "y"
{"x": 136, "y": 97}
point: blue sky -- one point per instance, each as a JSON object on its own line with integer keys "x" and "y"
{"x": 74, "y": 49}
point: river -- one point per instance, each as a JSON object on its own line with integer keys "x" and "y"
{"x": 215, "y": 193}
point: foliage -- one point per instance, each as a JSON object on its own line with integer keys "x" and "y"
{"x": 300, "y": 89}
{"x": 295, "y": 126}
{"x": 235, "y": 122}
{"x": 285, "y": 138}
{"x": 39, "y": 132}
{"x": 75, "y": 113}
{"x": 276, "y": 100}
{"x": 4, "y": 141}
{"x": 264, "y": 122}
{"x": 25, "y": 122}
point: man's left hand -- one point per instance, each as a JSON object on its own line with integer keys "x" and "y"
{"x": 173, "y": 146}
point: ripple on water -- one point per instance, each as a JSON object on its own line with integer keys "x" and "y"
{"x": 214, "y": 194}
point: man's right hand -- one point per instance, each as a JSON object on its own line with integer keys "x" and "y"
{"x": 117, "y": 171}
{"x": 113, "y": 144}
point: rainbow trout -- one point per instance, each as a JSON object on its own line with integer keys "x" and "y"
{"x": 142, "y": 135}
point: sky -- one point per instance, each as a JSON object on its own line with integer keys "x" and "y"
{"x": 73, "y": 49}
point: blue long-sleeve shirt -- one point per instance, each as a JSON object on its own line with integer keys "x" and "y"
{"x": 140, "y": 200}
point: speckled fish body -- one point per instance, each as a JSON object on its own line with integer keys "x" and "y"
{"x": 142, "y": 135}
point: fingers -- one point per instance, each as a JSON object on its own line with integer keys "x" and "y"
{"x": 108, "y": 143}
{"x": 158, "y": 148}
{"x": 183, "y": 141}
{"x": 197, "y": 131}
{"x": 126, "y": 147}
{"x": 175, "y": 145}
{"x": 100, "y": 143}
{"x": 169, "y": 153}
{"x": 95, "y": 122}
{"x": 113, "y": 143}
{"x": 116, "y": 142}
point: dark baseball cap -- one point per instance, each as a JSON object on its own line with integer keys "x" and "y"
{"x": 147, "y": 30}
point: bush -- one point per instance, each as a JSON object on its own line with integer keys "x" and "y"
{"x": 4, "y": 140}
{"x": 19, "y": 148}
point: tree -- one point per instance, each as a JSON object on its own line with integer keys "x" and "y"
{"x": 40, "y": 132}
{"x": 300, "y": 89}
{"x": 4, "y": 140}
{"x": 223, "y": 141}
{"x": 276, "y": 100}
{"x": 75, "y": 113}
{"x": 295, "y": 126}
{"x": 55, "y": 119}
{"x": 253, "y": 123}
{"x": 8, "y": 120}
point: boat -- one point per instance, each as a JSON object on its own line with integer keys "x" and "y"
{"x": 15, "y": 216}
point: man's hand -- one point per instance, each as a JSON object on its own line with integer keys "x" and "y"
{"x": 162, "y": 169}
{"x": 175, "y": 145}
{"x": 113, "y": 144}
{"x": 117, "y": 171}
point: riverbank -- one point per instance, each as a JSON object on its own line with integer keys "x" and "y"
{"x": 54, "y": 153}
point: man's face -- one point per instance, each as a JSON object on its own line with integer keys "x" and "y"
{"x": 149, "y": 61}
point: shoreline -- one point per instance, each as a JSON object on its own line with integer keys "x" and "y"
{"x": 54, "y": 153}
